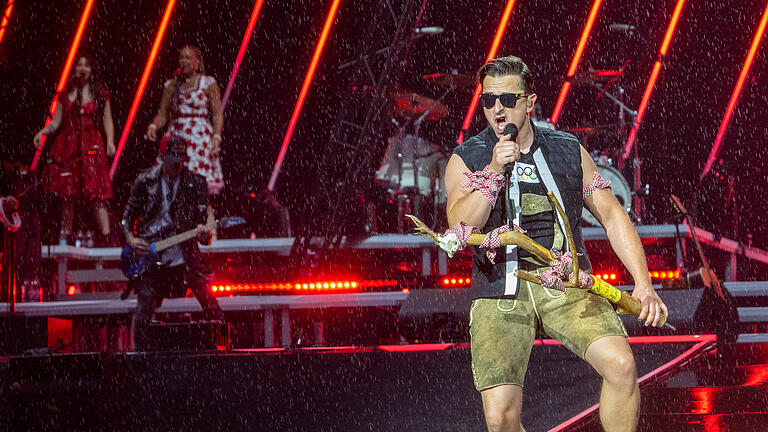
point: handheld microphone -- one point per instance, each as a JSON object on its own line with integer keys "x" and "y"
{"x": 176, "y": 72}
{"x": 511, "y": 130}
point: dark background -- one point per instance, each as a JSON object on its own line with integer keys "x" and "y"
{"x": 689, "y": 101}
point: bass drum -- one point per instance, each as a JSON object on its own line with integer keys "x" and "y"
{"x": 619, "y": 187}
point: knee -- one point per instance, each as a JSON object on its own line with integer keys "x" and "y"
{"x": 620, "y": 369}
{"x": 503, "y": 419}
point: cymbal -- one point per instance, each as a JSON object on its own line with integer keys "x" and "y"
{"x": 450, "y": 79}
{"x": 410, "y": 104}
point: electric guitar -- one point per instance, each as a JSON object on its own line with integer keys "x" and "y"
{"x": 708, "y": 276}
{"x": 133, "y": 264}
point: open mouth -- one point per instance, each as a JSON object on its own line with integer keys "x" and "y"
{"x": 500, "y": 122}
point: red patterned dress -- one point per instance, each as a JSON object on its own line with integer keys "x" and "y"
{"x": 191, "y": 121}
{"x": 79, "y": 168}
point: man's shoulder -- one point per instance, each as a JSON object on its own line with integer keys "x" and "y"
{"x": 194, "y": 178}
{"x": 475, "y": 144}
{"x": 559, "y": 138}
{"x": 148, "y": 175}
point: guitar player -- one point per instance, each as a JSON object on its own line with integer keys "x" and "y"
{"x": 165, "y": 200}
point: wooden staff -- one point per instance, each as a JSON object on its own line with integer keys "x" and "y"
{"x": 625, "y": 302}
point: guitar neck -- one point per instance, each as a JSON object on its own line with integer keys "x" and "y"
{"x": 180, "y": 238}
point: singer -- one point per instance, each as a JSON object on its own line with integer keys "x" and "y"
{"x": 78, "y": 169}
{"x": 191, "y": 103}
{"x": 506, "y": 311}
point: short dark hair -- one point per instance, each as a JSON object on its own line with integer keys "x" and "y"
{"x": 509, "y": 65}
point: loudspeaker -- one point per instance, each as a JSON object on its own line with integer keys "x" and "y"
{"x": 436, "y": 315}
{"x": 692, "y": 311}
{"x": 191, "y": 336}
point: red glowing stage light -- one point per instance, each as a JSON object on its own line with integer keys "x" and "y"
{"x": 456, "y": 281}
{"x": 64, "y": 75}
{"x": 491, "y": 54}
{"x": 241, "y": 53}
{"x": 652, "y": 80}
{"x": 303, "y": 93}
{"x": 343, "y": 285}
{"x": 142, "y": 84}
{"x": 6, "y": 17}
{"x": 736, "y": 93}
{"x": 576, "y": 59}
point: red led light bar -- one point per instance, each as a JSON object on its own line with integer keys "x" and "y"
{"x": 736, "y": 93}
{"x": 576, "y": 59}
{"x": 305, "y": 286}
{"x": 241, "y": 52}
{"x": 652, "y": 80}
{"x": 142, "y": 85}
{"x": 456, "y": 281}
{"x": 665, "y": 274}
{"x": 491, "y": 54}
{"x": 303, "y": 94}
{"x": 64, "y": 75}
{"x": 6, "y": 17}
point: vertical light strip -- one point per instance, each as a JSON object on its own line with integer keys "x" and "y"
{"x": 736, "y": 93}
{"x": 241, "y": 52}
{"x": 491, "y": 54}
{"x": 576, "y": 59}
{"x": 652, "y": 80}
{"x": 6, "y": 17}
{"x": 303, "y": 94}
{"x": 142, "y": 85}
{"x": 64, "y": 75}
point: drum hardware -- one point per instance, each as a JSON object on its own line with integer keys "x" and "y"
{"x": 410, "y": 104}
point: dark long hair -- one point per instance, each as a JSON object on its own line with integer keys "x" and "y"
{"x": 98, "y": 89}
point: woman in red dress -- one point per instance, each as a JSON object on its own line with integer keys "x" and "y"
{"x": 191, "y": 107}
{"x": 79, "y": 170}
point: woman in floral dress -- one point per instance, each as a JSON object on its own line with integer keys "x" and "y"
{"x": 191, "y": 107}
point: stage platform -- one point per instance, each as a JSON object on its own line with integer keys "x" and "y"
{"x": 687, "y": 384}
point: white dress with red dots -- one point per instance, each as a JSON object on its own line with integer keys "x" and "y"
{"x": 191, "y": 121}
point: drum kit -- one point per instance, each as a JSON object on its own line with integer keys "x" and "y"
{"x": 413, "y": 169}
{"x": 412, "y": 173}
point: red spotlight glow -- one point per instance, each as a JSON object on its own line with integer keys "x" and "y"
{"x": 65, "y": 74}
{"x": 142, "y": 85}
{"x": 6, "y": 17}
{"x": 736, "y": 93}
{"x": 491, "y": 54}
{"x": 652, "y": 80}
{"x": 452, "y": 281}
{"x": 576, "y": 59}
{"x": 303, "y": 93}
{"x": 241, "y": 52}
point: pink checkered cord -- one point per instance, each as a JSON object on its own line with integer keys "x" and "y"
{"x": 598, "y": 182}
{"x": 561, "y": 271}
{"x": 462, "y": 230}
{"x": 492, "y": 241}
{"x": 487, "y": 181}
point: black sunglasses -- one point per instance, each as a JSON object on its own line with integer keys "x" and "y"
{"x": 508, "y": 100}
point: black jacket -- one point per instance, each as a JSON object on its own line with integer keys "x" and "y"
{"x": 187, "y": 211}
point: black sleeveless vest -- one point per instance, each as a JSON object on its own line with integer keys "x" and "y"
{"x": 557, "y": 156}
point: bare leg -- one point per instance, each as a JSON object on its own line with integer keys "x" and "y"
{"x": 211, "y": 219}
{"x": 502, "y": 405}
{"x": 102, "y": 217}
{"x": 620, "y": 395}
{"x": 67, "y": 216}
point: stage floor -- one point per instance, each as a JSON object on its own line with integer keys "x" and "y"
{"x": 688, "y": 385}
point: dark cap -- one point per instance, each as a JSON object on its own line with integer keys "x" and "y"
{"x": 174, "y": 149}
